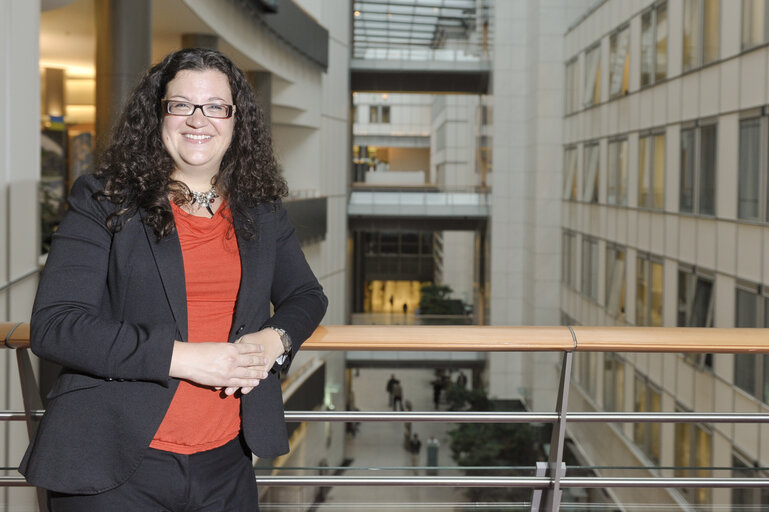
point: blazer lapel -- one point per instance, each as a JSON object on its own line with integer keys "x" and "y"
{"x": 252, "y": 281}
{"x": 168, "y": 258}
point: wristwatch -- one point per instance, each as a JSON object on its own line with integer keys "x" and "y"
{"x": 286, "y": 340}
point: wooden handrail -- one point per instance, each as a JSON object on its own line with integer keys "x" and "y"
{"x": 472, "y": 338}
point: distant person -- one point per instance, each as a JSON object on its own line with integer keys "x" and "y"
{"x": 415, "y": 447}
{"x": 437, "y": 389}
{"x": 389, "y": 388}
{"x": 397, "y": 396}
{"x": 462, "y": 379}
{"x": 392, "y": 303}
{"x": 405, "y": 308}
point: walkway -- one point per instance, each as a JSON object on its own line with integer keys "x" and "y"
{"x": 381, "y": 445}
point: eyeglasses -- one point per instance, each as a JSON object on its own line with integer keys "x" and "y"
{"x": 185, "y": 108}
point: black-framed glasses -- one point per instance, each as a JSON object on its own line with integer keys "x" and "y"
{"x": 185, "y": 108}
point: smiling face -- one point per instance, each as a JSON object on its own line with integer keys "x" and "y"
{"x": 197, "y": 143}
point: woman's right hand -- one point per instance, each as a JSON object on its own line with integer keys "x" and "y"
{"x": 220, "y": 365}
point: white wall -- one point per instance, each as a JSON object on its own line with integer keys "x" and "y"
{"x": 20, "y": 213}
{"x": 525, "y": 220}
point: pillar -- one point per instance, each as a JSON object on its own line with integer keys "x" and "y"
{"x": 123, "y": 53}
{"x": 261, "y": 81}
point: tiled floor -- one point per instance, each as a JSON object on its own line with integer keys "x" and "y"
{"x": 381, "y": 445}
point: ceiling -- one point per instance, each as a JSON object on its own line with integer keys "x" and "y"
{"x": 417, "y": 28}
{"x": 68, "y": 34}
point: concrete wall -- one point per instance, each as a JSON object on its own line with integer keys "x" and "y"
{"x": 20, "y": 211}
{"x": 724, "y": 91}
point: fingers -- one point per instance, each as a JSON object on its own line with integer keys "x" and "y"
{"x": 244, "y": 390}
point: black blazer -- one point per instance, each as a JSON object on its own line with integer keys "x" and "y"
{"x": 108, "y": 308}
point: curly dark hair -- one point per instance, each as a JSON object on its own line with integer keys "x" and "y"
{"x": 136, "y": 167}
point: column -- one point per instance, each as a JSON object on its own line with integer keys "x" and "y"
{"x": 19, "y": 209}
{"x": 123, "y": 53}
{"x": 261, "y": 81}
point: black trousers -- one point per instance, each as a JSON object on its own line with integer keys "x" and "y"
{"x": 217, "y": 480}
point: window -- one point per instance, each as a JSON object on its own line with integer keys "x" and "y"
{"x": 751, "y": 371}
{"x": 695, "y": 298}
{"x": 592, "y": 90}
{"x": 616, "y": 186}
{"x": 693, "y": 449}
{"x": 570, "y": 174}
{"x": 751, "y": 203}
{"x": 698, "y": 170}
{"x": 654, "y": 44}
{"x": 649, "y": 291}
{"x": 590, "y": 268}
{"x": 572, "y": 89}
{"x": 651, "y": 171}
{"x": 379, "y": 114}
{"x": 695, "y": 306}
{"x": 754, "y": 22}
{"x": 615, "y": 281}
{"x": 613, "y": 383}
{"x": 619, "y": 62}
{"x": 746, "y": 498}
{"x": 701, "y": 32}
{"x": 590, "y": 173}
{"x": 569, "y": 259}
{"x": 648, "y": 398}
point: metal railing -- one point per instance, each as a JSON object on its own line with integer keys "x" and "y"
{"x": 550, "y": 479}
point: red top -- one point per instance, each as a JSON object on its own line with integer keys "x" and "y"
{"x": 202, "y": 418}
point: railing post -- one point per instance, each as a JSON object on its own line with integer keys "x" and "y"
{"x": 30, "y": 394}
{"x": 550, "y": 499}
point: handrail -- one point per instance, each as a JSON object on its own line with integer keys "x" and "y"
{"x": 550, "y": 477}
{"x": 473, "y": 338}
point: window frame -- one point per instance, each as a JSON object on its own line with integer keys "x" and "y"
{"x": 648, "y": 260}
{"x": 755, "y": 496}
{"x": 620, "y": 73}
{"x": 589, "y": 148}
{"x": 764, "y": 38}
{"x": 647, "y": 435}
{"x": 589, "y": 266}
{"x": 760, "y": 362}
{"x": 693, "y": 275}
{"x": 698, "y": 168}
{"x": 613, "y": 382}
{"x": 699, "y": 496}
{"x": 761, "y": 185}
{"x": 647, "y": 173}
{"x": 612, "y": 251}
{"x": 569, "y": 259}
{"x": 655, "y": 74}
{"x": 617, "y": 172}
{"x": 570, "y": 174}
{"x": 571, "y": 99}
{"x": 595, "y": 91}
{"x": 701, "y": 57}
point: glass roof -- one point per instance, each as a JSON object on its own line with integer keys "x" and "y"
{"x": 421, "y": 29}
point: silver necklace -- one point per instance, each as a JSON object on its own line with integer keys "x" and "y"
{"x": 204, "y": 199}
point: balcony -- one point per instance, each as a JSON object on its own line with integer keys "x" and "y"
{"x": 550, "y": 483}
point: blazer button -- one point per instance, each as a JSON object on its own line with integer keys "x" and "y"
{"x": 240, "y": 329}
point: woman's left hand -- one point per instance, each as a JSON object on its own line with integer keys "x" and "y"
{"x": 273, "y": 348}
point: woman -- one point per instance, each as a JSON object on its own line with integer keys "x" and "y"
{"x": 177, "y": 244}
